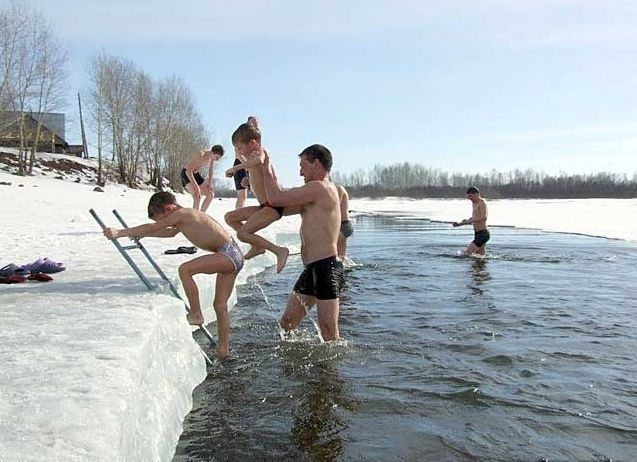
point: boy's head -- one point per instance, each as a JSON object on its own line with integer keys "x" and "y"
{"x": 320, "y": 153}
{"x": 158, "y": 202}
{"x": 218, "y": 150}
{"x": 246, "y": 132}
{"x": 246, "y": 138}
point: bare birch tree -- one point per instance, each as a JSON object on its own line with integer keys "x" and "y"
{"x": 154, "y": 127}
{"x": 32, "y": 80}
{"x": 17, "y": 81}
{"x": 112, "y": 90}
{"x": 170, "y": 110}
{"x": 48, "y": 84}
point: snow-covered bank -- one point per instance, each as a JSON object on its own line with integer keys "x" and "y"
{"x": 96, "y": 368}
{"x": 610, "y": 218}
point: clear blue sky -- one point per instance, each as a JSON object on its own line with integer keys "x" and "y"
{"x": 464, "y": 86}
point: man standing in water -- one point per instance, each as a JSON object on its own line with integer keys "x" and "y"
{"x": 479, "y": 221}
{"x": 346, "y": 226}
{"x": 318, "y": 202}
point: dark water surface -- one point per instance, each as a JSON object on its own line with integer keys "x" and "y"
{"x": 526, "y": 355}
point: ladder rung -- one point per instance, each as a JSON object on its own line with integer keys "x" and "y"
{"x": 130, "y": 247}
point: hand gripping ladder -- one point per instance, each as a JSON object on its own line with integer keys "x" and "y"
{"x": 124, "y": 250}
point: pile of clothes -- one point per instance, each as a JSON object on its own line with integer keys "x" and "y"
{"x": 39, "y": 270}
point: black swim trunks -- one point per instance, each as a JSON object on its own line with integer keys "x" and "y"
{"x": 481, "y": 237}
{"x": 323, "y": 279}
{"x": 346, "y": 228}
{"x": 184, "y": 178}
{"x": 239, "y": 175}
{"x": 279, "y": 210}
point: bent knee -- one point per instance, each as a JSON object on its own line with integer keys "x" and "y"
{"x": 184, "y": 270}
{"x": 220, "y": 307}
{"x": 242, "y": 234}
{"x": 229, "y": 217}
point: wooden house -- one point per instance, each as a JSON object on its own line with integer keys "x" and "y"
{"x": 49, "y": 140}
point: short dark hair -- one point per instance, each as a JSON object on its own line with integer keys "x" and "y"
{"x": 473, "y": 190}
{"x": 217, "y": 149}
{"x": 320, "y": 152}
{"x": 158, "y": 201}
{"x": 245, "y": 133}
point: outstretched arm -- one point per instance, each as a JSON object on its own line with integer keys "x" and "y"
{"x": 169, "y": 231}
{"x": 162, "y": 228}
{"x": 466, "y": 221}
{"x": 289, "y": 198}
{"x": 479, "y": 214}
{"x": 251, "y": 161}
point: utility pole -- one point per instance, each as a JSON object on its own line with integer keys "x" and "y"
{"x": 79, "y": 102}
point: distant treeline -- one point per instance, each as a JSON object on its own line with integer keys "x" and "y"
{"x": 416, "y": 181}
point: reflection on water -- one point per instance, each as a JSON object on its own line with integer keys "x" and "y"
{"x": 317, "y": 419}
{"x": 527, "y": 354}
{"x": 479, "y": 275}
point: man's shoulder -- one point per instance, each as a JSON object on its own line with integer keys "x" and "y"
{"x": 321, "y": 184}
{"x": 185, "y": 212}
{"x": 328, "y": 190}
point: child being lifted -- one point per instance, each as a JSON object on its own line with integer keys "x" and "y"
{"x": 248, "y": 220}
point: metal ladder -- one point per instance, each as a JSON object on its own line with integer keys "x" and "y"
{"x": 124, "y": 250}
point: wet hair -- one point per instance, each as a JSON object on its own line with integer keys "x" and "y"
{"x": 217, "y": 149}
{"x": 245, "y": 133}
{"x": 158, "y": 201}
{"x": 473, "y": 190}
{"x": 320, "y": 152}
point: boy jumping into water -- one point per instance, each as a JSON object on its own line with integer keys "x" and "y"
{"x": 204, "y": 232}
{"x": 479, "y": 221}
{"x": 247, "y": 221}
{"x": 192, "y": 180}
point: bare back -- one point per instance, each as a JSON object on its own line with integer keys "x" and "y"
{"x": 199, "y": 228}
{"x": 256, "y": 183}
{"x": 252, "y": 163}
{"x": 199, "y": 160}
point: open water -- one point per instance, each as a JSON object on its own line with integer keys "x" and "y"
{"x": 528, "y": 354}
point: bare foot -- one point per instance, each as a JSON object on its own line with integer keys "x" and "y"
{"x": 281, "y": 258}
{"x": 222, "y": 353}
{"x": 253, "y": 252}
{"x": 194, "y": 319}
